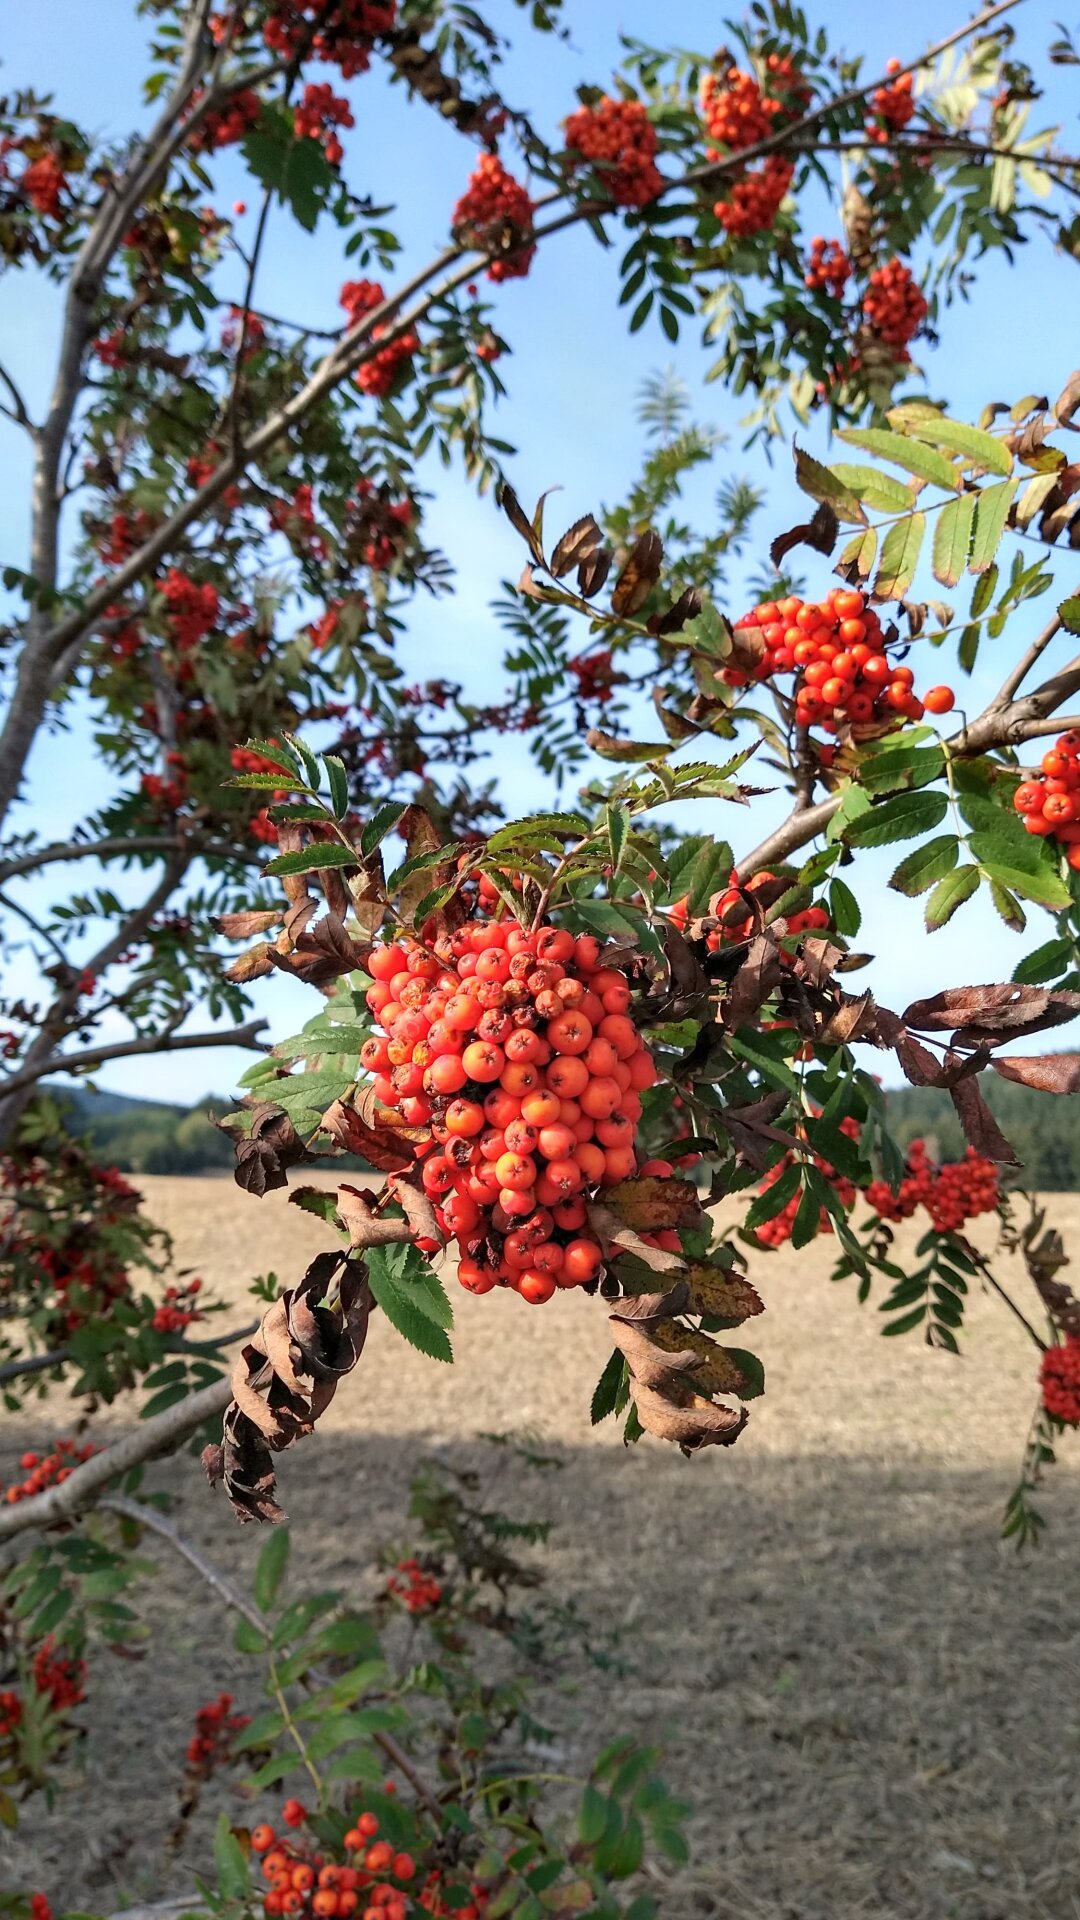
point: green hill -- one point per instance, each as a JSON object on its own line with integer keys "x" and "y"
{"x": 147, "y": 1136}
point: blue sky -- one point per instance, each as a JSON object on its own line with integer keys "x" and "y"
{"x": 573, "y": 377}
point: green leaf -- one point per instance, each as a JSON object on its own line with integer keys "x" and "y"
{"x": 259, "y": 782}
{"x": 928, "y": 863}
{"x": 752, "y": 1370}
{"x": 230, "y": 1862}
{"x": 606, "y": 1394}
{"x": 899, "y": 769}
{"x": 952, "y": 539}
{"x": 949, "y": 894}
{"x": 775, "y": 1197}
{"x": 844, "y": 909}
{"x": 1044, "y": 886}
{"x": 901, "y": 818}
{"x": 900, "y": 551}
{"x": 617, "y": 824}
{"x": 923, "y": 461}
{"x": 1069, "y": 614}
{"x": 983, "y": 592}
{"x": 338, "y": 782}
{"x": 955, "y": 436}
{"x": 853, "y": 804}
{"x": 312, "y": 859}
{"x": 423, "y": 862}
{"x": 270, "y": 1568}
{"x": 297, "y": 170}
{"x": 537, "y": 830}
{"x": 990, "y": 517}
{"x": 821, "y": 484}
{"x": 381, "y": 823}
{"x": 593, "y": 1816}
{"x": 411, "y": 1306}
{"x": 1048, "y": 962}
{"x": 877, "y": 490}
{"x": 281, "y": 757}
{"x": 969, "y": 647}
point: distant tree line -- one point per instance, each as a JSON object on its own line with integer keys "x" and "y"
{"x": 149, "y": 1136}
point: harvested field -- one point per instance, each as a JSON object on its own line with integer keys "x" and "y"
{"x": 873, "y": 1704}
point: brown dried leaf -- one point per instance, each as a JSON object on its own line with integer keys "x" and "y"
{"x": 686, "y": 607}
{"x": 855, "y": 1019}
{"x": 819, "y": 532}
{"x": 593, "y": 573}
{"x": 652, "y": 1204}
{"x": 920, "y": 1066}
{"x": 253, "y": 965}
{"x": 639, "y": 1308}
{"x": 241, "y": 926}
{"x": 722, "y": 1295}
{"x": 267, "y": 1151}
{"x": 713, "y": 1367}
{"x": 1068, "y": 401}
{"x": 611, "y": 1232}
{"x": 675, "y": 725}
{"x": 1050, "y": 1072}
{"x": 757, "y": 978}
{"x": 650, "y": 1364}
{"x": 639, "y": 576}
{"x": 364, "y": 1226}
{"x": 381, "y": 1147}
{"x": 519, "y": 520}
{"x": 577, "y": 545}
{"x": 687, "y": 1420}
{"x": 980, "y": 1128}
{"x": 1000, "y": 1009}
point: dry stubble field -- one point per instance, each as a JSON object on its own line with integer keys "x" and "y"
{"x": 873, "y": 1705}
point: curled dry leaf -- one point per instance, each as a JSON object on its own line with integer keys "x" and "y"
{"x": 241, "y": 926}
{"x": 713, "y": 1368}
{"x": 921, "y": 1067}
{"x": 382, "y": 1147}
{"x": 756, "y": 980}
{"x": 1049, "y": 1072}
{"x": 613, "y": 1232}
{"x": 253, "y": 965}
{"x": 855, "y": 1019}
{"x": 593, "y": 573}
{"x": 667, "y": 1404}
{"x": 686, "y": 607}
{"x": 818, "y": 532}
{"x": 721, "y": 1295}
{"x": 639, "y": 576}
{"x": 266, "y": 1151}
{"x": 285, "y": 1378}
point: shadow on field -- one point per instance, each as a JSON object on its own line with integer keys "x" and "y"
{"x": 873, "y": 1706}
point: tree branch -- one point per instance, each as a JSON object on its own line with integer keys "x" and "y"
{"x": 44, "y": 648}
{"x": 117, "y": 845}
{"x": 33, "y": 1363}
{"x": 124, "y": 1049}
{"x": 17, "y": 410}
{"x": 1015, "y": 678}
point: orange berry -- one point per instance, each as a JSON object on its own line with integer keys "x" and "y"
{"x": 939, "y": 700}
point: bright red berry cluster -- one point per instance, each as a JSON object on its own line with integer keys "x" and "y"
{"x": 619, "y": 139}
{"x": 518, "y": 1051}
{"x": 418, "y": 1591}
{"x": 774, "y": 1232}
{"x": 891, "y": 106}
{"x": 1059, "y": 1376}
{"x": 828, "y": 268}
{"x": 894, "y": 306}
{"x": 228, "y": 124}
{"x": 378, "y": 374}
{"x": 46, "y": 1470}
{"x": 302, "y": 1881}
{"x": 1049, "y": 801}
{"x": 346, "y": 30}
{"x": 193, "y": 608}
{"x": 836, "y": 650}
{"x": 178, "y": 1308}
{"x": 496, "y": 213}
{"x": 952, "y": 1193}
{"x": 738, "y": 112}
{"x": 60, "y": 1678}
{"x": 316, "y": 116}
{"x": 216, "y": 1729}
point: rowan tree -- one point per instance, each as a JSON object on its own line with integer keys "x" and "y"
{"x": 559, "y": 1038}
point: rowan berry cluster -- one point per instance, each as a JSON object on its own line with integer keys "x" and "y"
{"x": 828, "y": 268}
{"x": 228, "y": 124}
{"x": 774, "y": 1232}
{"x": 193, "y": 608}
{"x": 952, "y": 1193}
{"x": 124, "y": 533}
{"x": 303, "y": 1882}
{"x": 836, "y": 650}
{"x": 178, "y": 1308}
{"x": 316, "y": 116}
{"x": 167, "y": 794}
{"x": 295, "y": 518}
{"x": 891, "y": 106}
{"x": 894, "y": 306}
{"x": 1049, "y": 801}
{"x": 418, "y": 1591}
{"x": 738, "y": 112}
{"x": 43, "y": 182}
{"x": 595, "y": 675}
{"x": 60, "y": 1677}
{"x": 244, "y": 325}
{"x": 517, "y": 1049}
{"x": 495, "y": 213}
{"x": 346, "y": 32}
{"x": 619, "y": 139}
{"x": 46, "y": 1470}
{"x": 216, "y": 1729}
{"x": 378, "y": 374}
{"x": 1059, "y": 1377}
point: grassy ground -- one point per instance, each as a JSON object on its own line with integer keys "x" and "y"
{"x": 873, "y": 1705}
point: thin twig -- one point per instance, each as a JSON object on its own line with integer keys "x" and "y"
{"x": 34, "y": 1363}
{"x": 1016, "y": 676}
{"x": 17, "y": 410}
